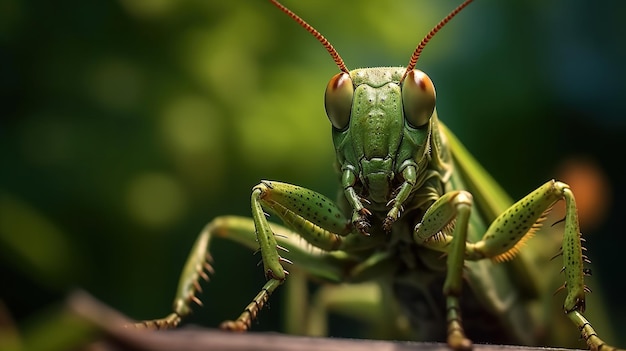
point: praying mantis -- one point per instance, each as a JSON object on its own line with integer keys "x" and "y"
{"x": 417, "y": 219}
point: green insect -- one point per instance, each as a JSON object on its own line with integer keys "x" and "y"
{"x": 418, "y": 221}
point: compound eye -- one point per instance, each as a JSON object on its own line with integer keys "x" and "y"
{"x": 338, "y": 100}
{"x": 418, "y": 98}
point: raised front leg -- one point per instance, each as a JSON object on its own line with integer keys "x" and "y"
{"x": 309, "y": 216}
{"x": 315, "y": 218}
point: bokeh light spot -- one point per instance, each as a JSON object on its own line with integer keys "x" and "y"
{"x": 591, "y": 188}
{"x": 190, "y": 125}
{"x": 156, "y": 200}
{"x": 115, "y": 83}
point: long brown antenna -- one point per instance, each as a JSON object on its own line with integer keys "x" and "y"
{"x": 329, "y": 47}
{"x": 430, "y": 35}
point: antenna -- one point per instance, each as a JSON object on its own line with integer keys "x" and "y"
{"x": 430, "y": 35}
{"x": 329, "y": 47}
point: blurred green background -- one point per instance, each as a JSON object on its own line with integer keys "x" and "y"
{"x": 127, "y": 125}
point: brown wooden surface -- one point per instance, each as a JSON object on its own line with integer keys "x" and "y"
{"x": 208, "y": 339}
{"x": 116, "y": 338}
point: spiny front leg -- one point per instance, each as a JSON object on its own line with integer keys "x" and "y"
{"x": 508, "y": 231}
{"x": 274, "y": 271}
{"x": 453, "y": 206}
{"x": 317, "y": 219}
{"x": 267, "y": 242}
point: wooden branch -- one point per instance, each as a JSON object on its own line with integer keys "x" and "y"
{"x": 118, "y": 338}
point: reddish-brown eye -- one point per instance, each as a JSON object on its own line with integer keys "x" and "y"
{"x": 418, "y": 98}
{"x": 338, "y": 100}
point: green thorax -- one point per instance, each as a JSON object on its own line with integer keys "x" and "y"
{"x": 378, "y": 141}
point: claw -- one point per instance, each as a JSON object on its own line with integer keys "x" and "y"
{"x": 460, "y": 343}
{"x": 361, "y": 223}
{"x": 387, "y": 223}
{"x": 392, "y": 215}
{"x": 236, "y": 326}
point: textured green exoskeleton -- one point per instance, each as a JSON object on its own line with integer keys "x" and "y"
{"x": 419, "y": 223}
